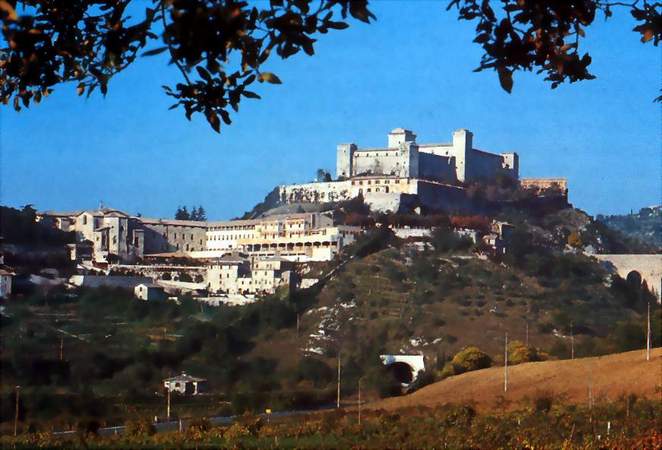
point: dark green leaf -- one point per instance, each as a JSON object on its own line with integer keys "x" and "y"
{"x": 155, "y": 51}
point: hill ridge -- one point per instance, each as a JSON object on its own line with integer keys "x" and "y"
{"x": 608, "y": 376}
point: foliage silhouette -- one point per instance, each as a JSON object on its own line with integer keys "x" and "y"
{"x": 221, "y": 46}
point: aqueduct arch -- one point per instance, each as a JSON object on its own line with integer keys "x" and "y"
{"x": 649, "y": 268}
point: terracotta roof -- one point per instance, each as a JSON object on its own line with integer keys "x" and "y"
{"x": 273, "y": 218}
{"x": 59, "y": 213}
{"x": 230, "y": 259}
{"x": 176, "y": 254}
{"x": 106, "y": 212}
{"x": 181, "y": 223}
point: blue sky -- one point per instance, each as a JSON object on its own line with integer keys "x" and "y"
{"x": 412, "y": 68}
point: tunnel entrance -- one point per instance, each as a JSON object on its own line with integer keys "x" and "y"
{"x": 402, "y": 372}
{"x": 634, "y": 279}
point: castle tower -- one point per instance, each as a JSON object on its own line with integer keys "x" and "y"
{"x": 462, "y": 146}
{"x": 399, "y": 136}
{"x": 344, "y": 157}
{"x": 510, "y": 164}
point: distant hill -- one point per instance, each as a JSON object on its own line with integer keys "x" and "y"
{"x": 568, "y": 381}
{"x": 645, "y": 225}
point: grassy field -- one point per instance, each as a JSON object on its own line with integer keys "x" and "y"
{"x": 568, "y": 381}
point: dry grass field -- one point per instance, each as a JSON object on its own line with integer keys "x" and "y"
{"x": 568, "y": 381}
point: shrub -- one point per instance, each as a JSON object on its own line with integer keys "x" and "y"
{"x": 468, "y": 359}
{"x": 445, "y": 240}
{"x": 316, "y": 371}
{"x": 543, "y": 403}
{"x": 185, "y": 277}
{"x": 519, "y": 353}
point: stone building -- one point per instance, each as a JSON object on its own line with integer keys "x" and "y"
{"x": 297, "y": 237}
{"x": 234, "y": 274}
{"x": 62, "y": 220}
{"x": 540, "y": 185}
{"x": 111, "y": 232}
{"x": 116, "y": 236}
{"x": 161, "y": 235}
{"x": 407, "y": 175}
{"x": 403, "y": 157}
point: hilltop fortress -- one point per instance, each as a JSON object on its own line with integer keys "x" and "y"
{"x": 453, "y": 162}
{"x": 406, "y": 175}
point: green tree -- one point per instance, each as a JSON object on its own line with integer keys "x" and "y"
{"x": 519, "y": 353}
{"x": 323, "y": 175}
{"x": 221, "y": 46}
{"x": 201, "y": 214}
{"x": 468, "y": 359}
{"x": 182, "y": 213}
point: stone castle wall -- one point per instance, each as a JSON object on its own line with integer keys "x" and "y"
{"x": 455, "y": 162}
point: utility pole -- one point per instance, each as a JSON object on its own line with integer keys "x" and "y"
{"x": 338, "y": 393}
{"x": 505, "y": 365}
{"x": 572, "y": 342}
{"x": 168, "y": 405}
{"x": 18, "y": 393}
{"x": 590, "y": 392}
{"x": 648, "y": 333}
{"x": 360, "y": 400}
{"x": 61, "y": 348}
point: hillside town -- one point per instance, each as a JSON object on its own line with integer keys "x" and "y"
{"x": 237, "y": 261}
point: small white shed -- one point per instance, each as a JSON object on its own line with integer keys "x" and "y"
{"x": 148, "y": 291}
{"x": 185, "y": 384}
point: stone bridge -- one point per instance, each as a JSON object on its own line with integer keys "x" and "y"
{"x": 406, "y": 367}
{"x": 648, "y": 267}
